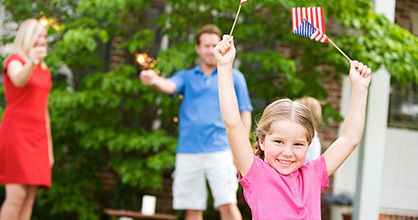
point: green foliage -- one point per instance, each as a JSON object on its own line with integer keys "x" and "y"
{"x": 103, "y": 119}
{"x": 379, "y": 42}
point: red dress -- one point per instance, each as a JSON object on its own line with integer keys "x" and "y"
{"x": 24, "y": 157}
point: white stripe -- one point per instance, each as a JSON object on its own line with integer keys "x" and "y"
{"x": 299, "y": 17}
{"x": 315, "y": 22}
{"x": 314, "y": 35}
{"x": 325, "y": 38}
{"x": 319, "y": 19}
{"x": 303, "y": 13}
{"x": 318, "y": 38}
{"x": 321, "y": 38}
{"x": 293, "y": 19}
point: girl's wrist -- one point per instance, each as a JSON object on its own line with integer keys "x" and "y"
{"x": 359, "y": 90}
{"x": 360, "y": 87}
{"x": 225, "y": 65}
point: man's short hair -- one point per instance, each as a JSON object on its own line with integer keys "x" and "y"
{"x": 207, "y": 29}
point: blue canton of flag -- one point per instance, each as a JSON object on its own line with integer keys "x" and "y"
{"x": 306, "y": 29}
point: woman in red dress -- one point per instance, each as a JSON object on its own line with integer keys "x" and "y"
{"x": 25, "y": 137}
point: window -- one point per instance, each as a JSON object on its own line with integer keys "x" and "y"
{"x": 403, "y": 106}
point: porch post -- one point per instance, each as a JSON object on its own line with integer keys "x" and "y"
{"x": 371, "y": 157}
{"x": 369, "y": 182}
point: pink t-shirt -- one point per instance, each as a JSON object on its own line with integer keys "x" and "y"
{"x": 273, "y": 196}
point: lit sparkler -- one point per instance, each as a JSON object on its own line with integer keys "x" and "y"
{"x": 49, "y": 22}
{"x": 145, "y": 61}
{"x": 43, "y": 21}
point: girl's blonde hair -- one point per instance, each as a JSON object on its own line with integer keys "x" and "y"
{"x": 284, "y": 110}
{"x": 26, "y": 37}
{"x": 313, "y": 105}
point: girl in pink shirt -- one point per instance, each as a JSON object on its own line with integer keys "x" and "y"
{"x": 277, "y": 184}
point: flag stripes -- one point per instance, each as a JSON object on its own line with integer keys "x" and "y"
{"x": 242, "y": 2}
{"x": 314, "y": 16}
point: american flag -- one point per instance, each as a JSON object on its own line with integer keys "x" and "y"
{"x": 242, "y": 2}
{"x": 310, "y": 23}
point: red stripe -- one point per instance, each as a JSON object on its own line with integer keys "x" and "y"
{"x": 322, "y": 18}
{"x": 312, "y": 16}
{"x": 317, "y": 21}
{"x": 309, "y": 18}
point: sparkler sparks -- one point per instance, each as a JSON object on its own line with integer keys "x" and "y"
{"x": 49, "y": 22}
{"x": 43, "y": 21}
{"x": 145, "y": 61}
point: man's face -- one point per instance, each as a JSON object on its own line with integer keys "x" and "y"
{"x": 205, "y": 49}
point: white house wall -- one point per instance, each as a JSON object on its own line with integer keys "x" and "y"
{"x": 386, "y": 7}
{"x": 400, "y": 178}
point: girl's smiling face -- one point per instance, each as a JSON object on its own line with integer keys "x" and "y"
{"x": 285, "y": 146}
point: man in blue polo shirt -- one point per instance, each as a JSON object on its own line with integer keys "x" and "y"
{"x": 203, "y": 151}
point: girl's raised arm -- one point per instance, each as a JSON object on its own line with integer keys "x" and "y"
{"x": 353, "y": 125}
{"x": 237, "y": 134}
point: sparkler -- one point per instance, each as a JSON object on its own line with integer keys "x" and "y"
{"x": 43, "y": 21}
{"x": 49, "y": 22}
{"x": 145, "y": 61}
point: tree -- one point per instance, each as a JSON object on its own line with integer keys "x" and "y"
{"x": 106, "y": 122}
{"x": 102, "y": 120}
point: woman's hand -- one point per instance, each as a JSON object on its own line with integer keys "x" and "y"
{"x": 37, "y": 54}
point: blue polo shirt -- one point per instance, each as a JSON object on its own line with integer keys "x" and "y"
{"x": 201, "y": 128}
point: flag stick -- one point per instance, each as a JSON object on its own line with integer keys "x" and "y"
{"x": 333, "y": 44}
{"x": 339, "y": 49}
{"x": 235, "y": 21}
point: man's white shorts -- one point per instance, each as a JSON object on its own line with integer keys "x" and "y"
{"x": 191, "y": 172}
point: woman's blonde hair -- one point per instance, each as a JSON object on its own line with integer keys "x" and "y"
{"x": 283, "y": 110}
{"x": 26, "y": 37}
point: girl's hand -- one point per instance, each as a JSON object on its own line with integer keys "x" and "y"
{"x": 225, "y": 51}
{"x": 37, "y": 54}
{"x": 360, "y": 74}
